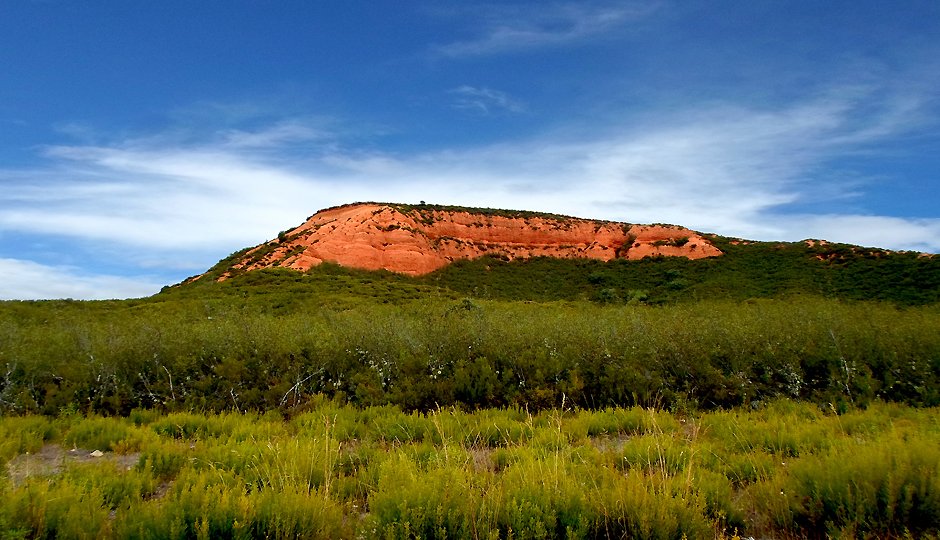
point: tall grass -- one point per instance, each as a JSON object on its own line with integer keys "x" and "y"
{"x": 338, "y": 471}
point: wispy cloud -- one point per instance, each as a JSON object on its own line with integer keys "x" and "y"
{"x": 484, "y": 100}
{"x": 732, "y": 170}
{"x": 281, "y": 133}
{"x": 167, "y": 198}
{"x": 27, "y": 280}
{"x": 502, "y": 29}
{"x": 721, "y": 169}
{"x": 921, "y": 235}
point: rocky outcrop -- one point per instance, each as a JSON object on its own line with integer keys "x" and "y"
{"x": 420, "y": 239}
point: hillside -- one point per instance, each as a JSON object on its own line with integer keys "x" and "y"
{"x": 752, "y": 387}
{"x": 417, "y": 240}
{"x": 393, "y": 251}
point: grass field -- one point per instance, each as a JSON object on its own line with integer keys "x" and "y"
{"x": 783, "y": 470}
{"x": 537, "y": 399}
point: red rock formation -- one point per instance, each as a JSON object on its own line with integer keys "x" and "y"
{"x": 419, "y": 240}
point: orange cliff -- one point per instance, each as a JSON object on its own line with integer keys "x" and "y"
{"x": 417, "y": 240}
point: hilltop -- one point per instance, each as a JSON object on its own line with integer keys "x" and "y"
{"x": 400, "y": 251}
{"x": 419, "y": 239}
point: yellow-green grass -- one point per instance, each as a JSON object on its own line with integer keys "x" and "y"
{"x": 783, "y": 470}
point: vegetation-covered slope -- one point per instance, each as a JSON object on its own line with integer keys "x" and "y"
{"x": 746, "y": 270}
{"x": 829, "y": 323}
{"x": 525, "y": 398}
{"x": 751, "y": 270}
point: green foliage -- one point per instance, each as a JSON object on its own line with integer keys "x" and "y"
{"x": 533, "y": 399}
{"x": 233, "y": 353}
{"x": 754, "y": 270}
{"x": 337, "y": 471}
{"x": 887, "y": 489}
{"x": 97, "y": 433}
{"x": 22, "y": 434}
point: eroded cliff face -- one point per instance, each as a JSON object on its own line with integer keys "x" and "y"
{"x": 419, "y": 240}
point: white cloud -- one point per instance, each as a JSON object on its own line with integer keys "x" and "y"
{"x": 27, "y": 280}
{"x": 484, "y": 100}
{"x": 167, "y": 198}
{"x": 275, "y": 136}
{"x": 507, "y": 29}
{"x": 722, "y": 169}
{"x": 921, "y": 235}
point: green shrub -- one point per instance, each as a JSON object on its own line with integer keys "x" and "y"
{"x": 163, "y": 460}
{"x": 96, "y": 433}
{"x": 438, "y": 503}
{"x": 888, "y": 488}
{"x": 21, "y": 434}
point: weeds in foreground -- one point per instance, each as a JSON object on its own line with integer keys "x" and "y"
{"x": 787, "y": 470}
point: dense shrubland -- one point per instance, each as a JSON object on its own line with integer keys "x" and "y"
{"x": 532, "y": 399}
{"x": 752, "y": 270}
{"x": 745, "y": 271}
{"x": 222, "y": 354}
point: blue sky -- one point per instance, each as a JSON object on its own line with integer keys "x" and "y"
{"x": 140, "y": 142}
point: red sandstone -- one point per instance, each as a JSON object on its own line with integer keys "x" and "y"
{"x": 419, "y": 240}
